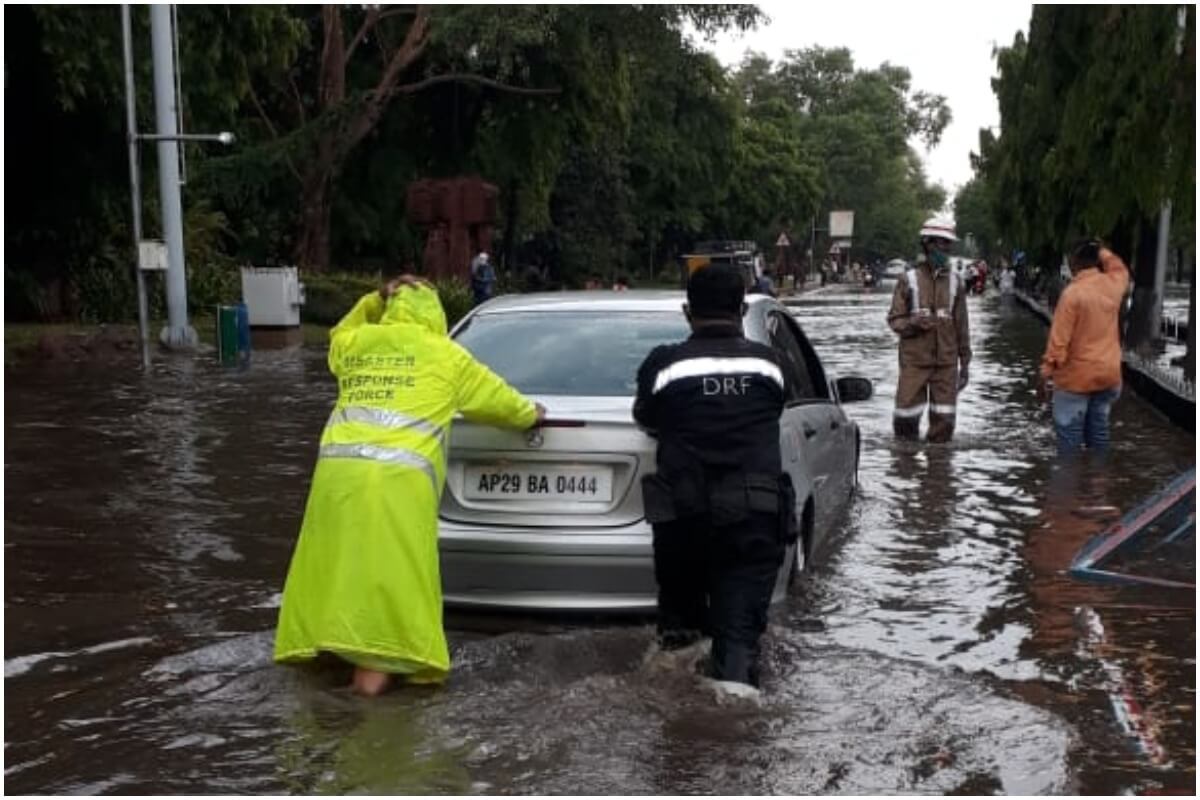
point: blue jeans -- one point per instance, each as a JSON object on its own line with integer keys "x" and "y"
{"x": 1082, "y": 419}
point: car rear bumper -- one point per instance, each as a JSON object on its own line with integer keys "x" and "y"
{"x": 549, "y": 569}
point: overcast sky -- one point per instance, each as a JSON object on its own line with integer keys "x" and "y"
{"x": 947, "y": 48}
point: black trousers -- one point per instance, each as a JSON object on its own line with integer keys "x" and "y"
{"x": 717, "y": 581}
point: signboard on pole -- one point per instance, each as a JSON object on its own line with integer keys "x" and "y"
{"x": 841, "y": 224}
{"x": 152, "y": 255}
{"x": 782, "y": 241}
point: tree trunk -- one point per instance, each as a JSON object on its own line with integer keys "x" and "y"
{"x": 1050, "y": 282}
{"x": 313, "y": 247}
{"x": 1139, "y": 334}
{"x": 316, "y": 210}
{"x": 316, "y": 191}
{"x": 511, "y": 211}
{"x": 650, "y": 259}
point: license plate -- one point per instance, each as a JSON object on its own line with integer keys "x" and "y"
{"x": 492, "y": 482}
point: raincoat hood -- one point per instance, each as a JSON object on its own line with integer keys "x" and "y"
{"x": 416, "y": 305}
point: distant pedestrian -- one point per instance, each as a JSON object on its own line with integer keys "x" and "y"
{"x": 483, "y": 277}
{"x": 1081, "y": 368}
{"x": 763, "y": 283}
{"x": 1008, "y": 280}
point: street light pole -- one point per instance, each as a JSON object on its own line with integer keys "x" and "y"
{"x": 178, "y": 334}
{"x": 135, "y": 184}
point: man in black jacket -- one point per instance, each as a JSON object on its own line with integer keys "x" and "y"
{"x": 721, "y": 510}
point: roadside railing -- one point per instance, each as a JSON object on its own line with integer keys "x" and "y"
{"x": 1169, "y": 378}
{"x": 1174, "y": 328}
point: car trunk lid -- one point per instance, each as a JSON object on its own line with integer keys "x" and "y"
{"x": 581, "y": 469}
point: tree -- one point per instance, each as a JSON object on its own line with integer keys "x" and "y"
{"x": 849, "y": 132}
{"x": 468, "y": 37}
{"x": 973, "y": 214}
{"x": 68, "y": 239}
{"x": 1097, "y": 113}
{"x": 775, "y": 181}
{"x": 613, "y": 139}
{"x": 350, "y": 98}
{"x": 642, "y": 112}
{"x": 681, "y": 149}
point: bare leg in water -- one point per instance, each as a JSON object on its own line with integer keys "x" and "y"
{"x": 370, "y": 683}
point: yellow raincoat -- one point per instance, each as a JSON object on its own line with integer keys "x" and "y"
{"x": 364, "y": 581}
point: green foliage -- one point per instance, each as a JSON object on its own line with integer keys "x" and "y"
{"x": 329, "y": 295}
{"x": 776, "y": 180}
{"x": 646, "y": 146}
{"x": 213, "y": 283}
{"x": 213, "y": 277}
{"x": 591, "y": 212}
{"x": 106, "y": 294}
{"x": 456, "y": 299}
{"x": 844, "y": 134}
{"x": 974, "y": 214}
{"x": 1097, "y": 113}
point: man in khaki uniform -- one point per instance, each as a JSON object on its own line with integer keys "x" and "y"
{"x": 929, "y": 313}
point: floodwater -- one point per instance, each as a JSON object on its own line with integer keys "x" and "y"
{"x": 936, "y": 647}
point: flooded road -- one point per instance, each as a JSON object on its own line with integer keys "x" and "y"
{"x": 936, "y": 647}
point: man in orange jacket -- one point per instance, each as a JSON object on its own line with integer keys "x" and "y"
{"x": 1082, "y": 363}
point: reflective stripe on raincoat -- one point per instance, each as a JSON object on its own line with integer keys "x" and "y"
{"x": 364, "y": 581}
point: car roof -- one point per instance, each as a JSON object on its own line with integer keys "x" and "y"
{"x": 596, "y": 300}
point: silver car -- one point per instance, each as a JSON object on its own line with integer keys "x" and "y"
{"x": 552, "y": 518}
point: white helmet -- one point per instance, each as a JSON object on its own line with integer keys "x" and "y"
{"x": 939, "y": 228}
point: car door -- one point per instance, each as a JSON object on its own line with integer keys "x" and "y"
{"x": 843, "y": 441}
{"x": 807, "y": 423}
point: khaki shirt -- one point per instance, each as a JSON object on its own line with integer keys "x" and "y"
{"x": 943, "y": 297}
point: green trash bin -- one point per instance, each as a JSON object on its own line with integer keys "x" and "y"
{"x": 227, "y": 334}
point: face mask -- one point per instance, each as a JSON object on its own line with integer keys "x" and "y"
{"x": 937, "y": 258}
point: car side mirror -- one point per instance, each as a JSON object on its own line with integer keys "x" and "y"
{"x": 854, "y": 389}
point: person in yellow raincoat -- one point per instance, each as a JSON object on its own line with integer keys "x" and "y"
{"x": 364, "y": 581}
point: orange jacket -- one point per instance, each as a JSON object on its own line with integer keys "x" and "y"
{"x": 1083, "y": 353}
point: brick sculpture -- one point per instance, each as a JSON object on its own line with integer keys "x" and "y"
{"x": 458, "y": 215}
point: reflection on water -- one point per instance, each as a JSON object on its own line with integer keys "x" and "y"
{"x": 939, "y": 646}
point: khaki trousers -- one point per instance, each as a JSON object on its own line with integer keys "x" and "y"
{"x": 918, "y": 387}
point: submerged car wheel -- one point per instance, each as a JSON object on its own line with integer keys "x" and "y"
{"x": 799, "y": 562}
{"x": 803, "y": 542}
{"x": 857, "y": 459}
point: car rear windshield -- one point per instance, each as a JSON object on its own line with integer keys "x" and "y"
{"x": 592, "y": 353}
